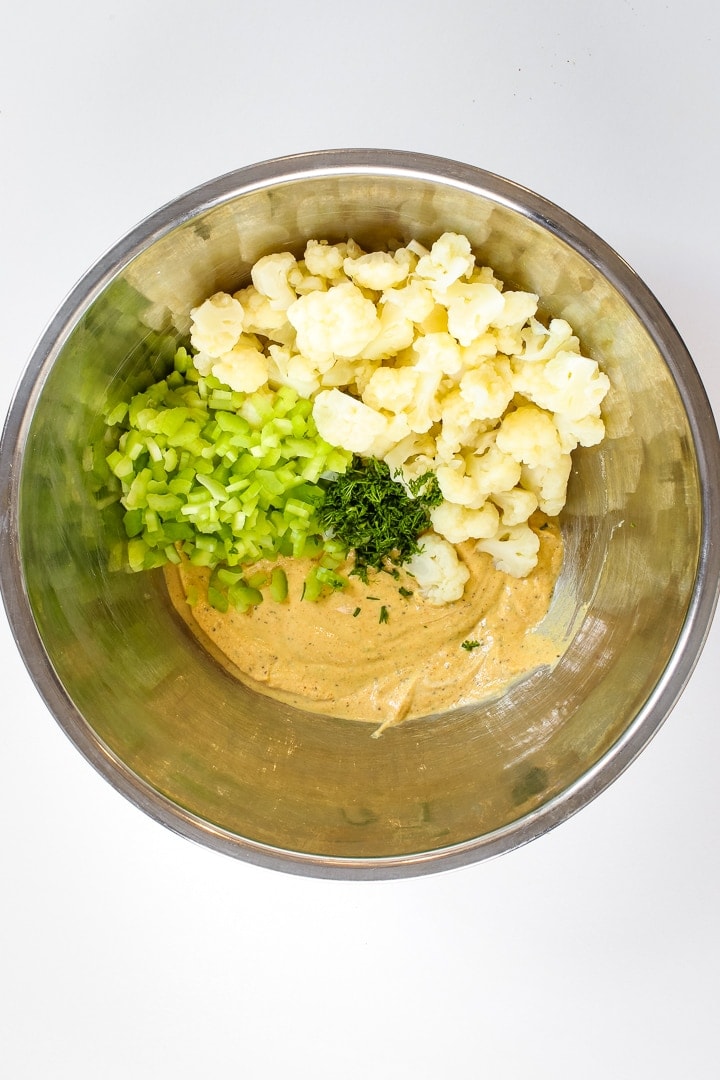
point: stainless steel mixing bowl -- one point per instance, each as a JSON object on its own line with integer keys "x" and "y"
{"x": 261, "y": 781}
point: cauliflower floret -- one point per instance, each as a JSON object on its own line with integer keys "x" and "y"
{"x": 203, "y": 362}
{"x": 405, "y": 390}
{"x": 514, "y": 549}
{"x": 342, "y": 373}
{"x": 478, "y": 351}
{"x": 260, "y": 315}
{"x": 549, "y": 483}
{"x": 363, "y": 371}
{"x": 458, "y": 426}
{"x": 414, "y": 454}
{"x": 436, "y": 322}
{"x": 425, "y": 408}
{"x": 587, "y": 431}
{"x": 471, "y": 481}
{"x": 338, "y": 323}
{"x": 395, "y": 334}
{"x": 540, "y": 343}
{"x": 440, "y": 574}
{"x": 344, "y": 421}
{"x": 414, "y": 300}
{"x": 530, "y": 436}
{"x": 491, "y": 468}
{"x": 471, "y": 308}
{"x": 216, "y": 324}
{"x": 449, "y": 258}
{"x": 488, "y": 388}
{"x": 288, "y": 368}
{"x": 391, "y": 388}
{"x": 508, "y": 339}
{"x": 517, "y": 505}
{"x": 270, "y": 278}
{"x": 437, "y": 352}
{"x": 379, "y": 270}
{"x": 459, "y": 523}
{"x": 567, "y": 383}
{"x": 517, "y": 308}
{"x": 245, "y": 367}
{"x": 325, "y": 260}
{"x": 486, "y": 275}
{"x": 302, "y": 281}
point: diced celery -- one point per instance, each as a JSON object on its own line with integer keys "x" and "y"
{"x": 243, "y": 596}
{"x": 328, "y": 577}
{"x": 217, "y": 490}
{"x": 120, "y": 464}
{"x": 164, "y": 503}
{"x": 134, "y": 522}
{"x": 227, "y": 477}
{"x": 298, "y": 509}
{"x": 136, "y": 551}
{"x": 278, "y": 585}
{"x": 228, "y": 577}
{"x": 200, "y": 557}
{"x": 217, "y": 598}
{"x": 312, "y": 588}
{"x": 177, "y": 531}
{"x": 170, "y": 459}
{"x": 117, "y": 414}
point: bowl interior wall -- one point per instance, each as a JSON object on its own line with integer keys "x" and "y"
{"x": 294, "y": 780}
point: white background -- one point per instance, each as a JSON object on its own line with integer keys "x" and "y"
{"x": 127, "y": 952}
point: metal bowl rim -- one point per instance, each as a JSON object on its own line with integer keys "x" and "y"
{"x": 408, "y": 165}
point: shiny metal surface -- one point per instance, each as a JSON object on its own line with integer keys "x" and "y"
{"x": 199, "y": 753}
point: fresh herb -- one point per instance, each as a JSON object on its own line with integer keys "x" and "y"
{"x": 470, "y": 645}
{"x": 384, "y": 614}
{"x": 356, "y": 612}
{"x": 375, "y": 516}
{"x": 405, "y": 592}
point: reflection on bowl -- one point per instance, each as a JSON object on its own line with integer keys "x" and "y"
{"x": 211, "y": 759}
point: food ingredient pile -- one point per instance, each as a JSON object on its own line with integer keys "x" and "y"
{"x": 416, "y": 358}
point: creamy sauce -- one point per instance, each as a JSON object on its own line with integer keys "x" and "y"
{"x": 330, "y": 658}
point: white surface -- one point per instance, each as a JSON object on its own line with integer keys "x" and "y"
{"x": 126, "y": 951}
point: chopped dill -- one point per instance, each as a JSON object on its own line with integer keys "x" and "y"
{"x": 470, "y": 645}
{"x": 376, "y": 516}
{"x": 405, "y": 592}
{"x": 384, "y": 614}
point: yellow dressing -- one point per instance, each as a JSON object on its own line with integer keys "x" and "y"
{"x": 330, "y": 658}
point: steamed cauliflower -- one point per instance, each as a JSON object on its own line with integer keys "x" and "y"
{"x": 339, "y": 322}
{"x": 449, "y": 258}
{"x": 270, "y": 278}
{"x": 488, "y": 388}
{"x": 514, "y": 549}
{"x": 244, "y": 367}
{"x": 471, "y": 309}
{"x": 379, "y": 270}
{"x": 459, "y": 523}
{"x": 421, "y": 357}
{"x": 529, "y": 436}
{"x": 216, "y": 324}
{"x": 440, "y": 574}
{"x": 344, "y": 421}
{"x": 567, "y": 383}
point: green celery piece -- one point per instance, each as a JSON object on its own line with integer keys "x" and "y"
{"x": 278, "y": 585}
